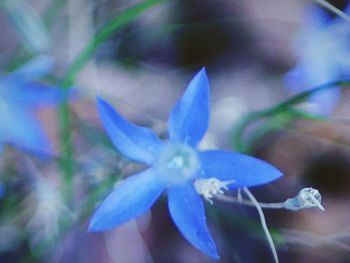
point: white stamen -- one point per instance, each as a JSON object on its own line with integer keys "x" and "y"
{"x": 210, "y": 187}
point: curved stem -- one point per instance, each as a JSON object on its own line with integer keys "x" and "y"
{"x": 263, "y": 223}
{"x": 281, "y": 108}
{"x": 108, "y": 30}
{"x": 66, "y": 144}
{"x": 333, "y": 9}
{"x": 231, "y": 199}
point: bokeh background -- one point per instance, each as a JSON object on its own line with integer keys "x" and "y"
{"x": 247, "y": 48}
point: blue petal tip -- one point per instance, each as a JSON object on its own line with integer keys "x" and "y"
{"x": 101, "y": 103}
{"x": 91, "y": 228}
{"x": 203, "y": 71}
{"x": 213, "y": 254}
{"x": 94, "y": 226}
{"x": 99, "y": 99}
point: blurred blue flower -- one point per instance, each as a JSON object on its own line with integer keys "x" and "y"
{"x": 177, "y": 167}
{"x": 20, "y": 93}
{"x": 323, "y": 55}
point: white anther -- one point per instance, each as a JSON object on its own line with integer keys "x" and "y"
{"x": 210, "y": 187}
{"x": 306, "y": 198}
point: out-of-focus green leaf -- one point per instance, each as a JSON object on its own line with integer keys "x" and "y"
{"x": 28, "y": 25}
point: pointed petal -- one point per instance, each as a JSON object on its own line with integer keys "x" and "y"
{"x": 36, "y": 94}
{"x": 135, "y": 142}
{"x": 187, "y": 211}
{"x": 189, "y": 119}
{"x": 21, "y": 128}
{"x": 34, "y": 69}
{"x": 244, "y": 169}
{"x": 22, "y": 87}
{"x": 131, "y": 198}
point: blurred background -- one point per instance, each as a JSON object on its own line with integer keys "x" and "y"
{"x": 248, "y": 48}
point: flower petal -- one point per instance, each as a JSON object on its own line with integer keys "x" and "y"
{"x": 21, "y": 128}
{"x": 244, "y": 169}
{"x": 34, "y": 69}
{"x": 189, "y": 119}
{"x": 135, "y": 142}
{"x": 35, "y": 94}
{"x": 131, "y": 198}
{"x": 187, "y": 211}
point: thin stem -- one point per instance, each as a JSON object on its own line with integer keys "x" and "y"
{"x": 263, "y": 223}
{"x": 242, "y": 125}
{"x": 239, "y": 194}
{"x": 304, "y": 95}
{"x": 281, "y": 108}
{"x": 108, "y": 30}
{"x": 241, "y": 201}
{"x": 333, "y": 9}
{"x": 66, "y": 148}
{"x": 66, "y": 144}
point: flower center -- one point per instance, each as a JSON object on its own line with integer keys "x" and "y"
{"x": 210, "y": 187}
{"x": 177, "y": 164}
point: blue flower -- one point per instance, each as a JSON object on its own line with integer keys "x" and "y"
{"x": 20, "y": 93}
{"x": 323, "y": 55}
{"x": 176, "y": 167}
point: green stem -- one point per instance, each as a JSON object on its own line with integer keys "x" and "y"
{"x": 108, "y": 30}
{"x": 238, "y": 133}
{"x": 280, "y": 109}
{"x": 66, "y": 145}
{"x": 66, "y": 149}
{"x": 301, "y": 97}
